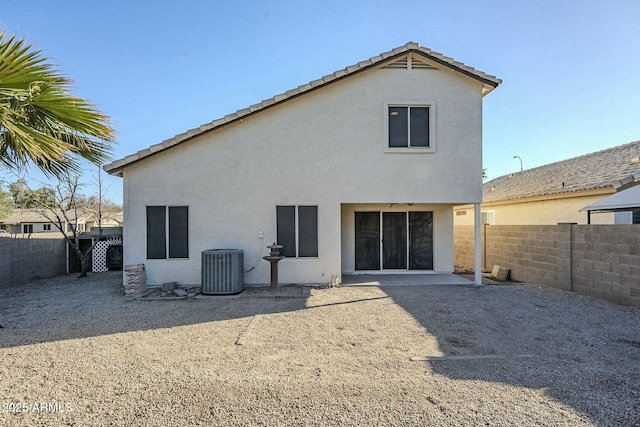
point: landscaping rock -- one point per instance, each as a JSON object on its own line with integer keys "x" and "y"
{"x": 500, "y": 273}
{"x": 180, "y": 292}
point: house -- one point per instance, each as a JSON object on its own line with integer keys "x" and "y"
{"x": 558, "y": 192}
{"x": 108, "y": 220}
{"x": 355, "y": 172}
{"x": 625, "y": 204}
{"x": 26, "y": 221}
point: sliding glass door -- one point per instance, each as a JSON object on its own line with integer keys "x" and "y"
{"x": 394, "y": 240}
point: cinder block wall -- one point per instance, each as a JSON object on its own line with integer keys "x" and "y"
{"x": 5, "y": 262}
{"x": 23, "y": 260}
{"x": 529, "y": 251}
{"x": 463, "y": 246}
{"x": 602, "y": 261}
{"x": 606, "y": 262}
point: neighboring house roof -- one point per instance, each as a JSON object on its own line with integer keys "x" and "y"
{"x": 611, "y": 169}
{"x": 117, "y": 217}
{"x": 19, "y": 216}
{"x": 26, "y": 216}
{"x": 405, "y": 56}
{"x": 625, "y": 200}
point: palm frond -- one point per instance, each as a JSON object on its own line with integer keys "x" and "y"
{"x": 41, "y": 123}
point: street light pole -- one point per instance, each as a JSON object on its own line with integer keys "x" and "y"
{"x": 518, "y": 157}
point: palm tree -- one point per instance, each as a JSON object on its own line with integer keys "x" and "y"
{"x": 40, "y": 121}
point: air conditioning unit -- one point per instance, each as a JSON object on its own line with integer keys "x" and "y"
{"x": 222, "y": 271}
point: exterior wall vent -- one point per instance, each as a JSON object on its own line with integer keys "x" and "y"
{"x": 407, "y": 63}
{"x": 422, "y": 65}
{"x": 222, "y": 271}
{"x": 398, "y": 64}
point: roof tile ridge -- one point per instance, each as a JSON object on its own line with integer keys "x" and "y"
{"x": 457, "y": 64}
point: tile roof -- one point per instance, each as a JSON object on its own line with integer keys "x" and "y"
{"x": 19, "y": 216}
{"x": 22, "y": 216}
{"x": 610, "y": 168}
{"x": 489, "y": 83}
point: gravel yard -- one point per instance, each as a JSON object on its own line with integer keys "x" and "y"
{"x": 76, "y": 352}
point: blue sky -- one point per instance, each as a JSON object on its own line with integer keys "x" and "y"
{"x": 570, "y": 68}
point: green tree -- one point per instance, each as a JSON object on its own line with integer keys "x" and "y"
{"x": 41, "y": 123}
{"x": 6, "y": 205}
{"x": 25, "y": 197}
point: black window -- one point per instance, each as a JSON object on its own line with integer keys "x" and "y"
{"x": 178, "y": 232}
{"x": 408, "y": 127}
{"x": 156, "y": 232}
{"x": 286, "y": 219}
{"x": 308, "y": 231}
{"x": 167, "y": 226}
{"x": 635, "y": 217}
{"x": 27, "y": 228}
{"x": 297, "y": 230}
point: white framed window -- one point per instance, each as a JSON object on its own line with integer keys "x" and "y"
{"x": 27, "y": 228}
{"x": 489, "y": 217}
{"x": 410, "y": 126}
{"x": 46, "y": 227}
{"x": 167, "y": 232}
{"x": 71, "y": 227}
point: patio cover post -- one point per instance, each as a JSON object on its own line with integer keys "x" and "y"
{"x": 477, "y": 241}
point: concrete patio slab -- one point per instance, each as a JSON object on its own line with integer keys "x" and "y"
{"x": 404, "y": 280}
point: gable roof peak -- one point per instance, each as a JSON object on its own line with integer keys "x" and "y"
{"x": 488, "y": 82}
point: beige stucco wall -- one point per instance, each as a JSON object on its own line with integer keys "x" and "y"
{"x": 463, "y": 215}
{"x": 325, "y": 148}
{"x": 542, "y": 212}
{"x": 37, "y": 227}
